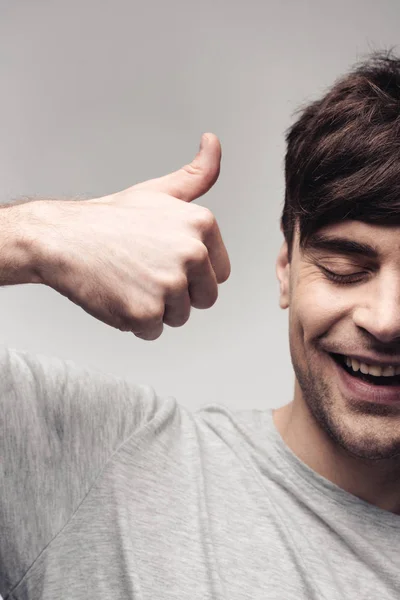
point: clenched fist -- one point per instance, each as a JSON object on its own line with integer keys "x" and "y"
{"x": 138, "y": 258}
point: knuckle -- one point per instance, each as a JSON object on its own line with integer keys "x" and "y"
{"x": 199, "y": 253}
{"x": 206, "y": 218}
{"x": 202, "y": 218}
{"x": 148, "y": 318}
{"x": 175, "y": 284}
{"x": 154, "y": 318}
{"x": 193, "y": 169}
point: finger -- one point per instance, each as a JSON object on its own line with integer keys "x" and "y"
{"x": 217, "y": 252}
{"x": 151, "y": 334}
{"x": 203, "y": 286}
{"x": 177, "y": 309}
{"x": 194, "y": 179}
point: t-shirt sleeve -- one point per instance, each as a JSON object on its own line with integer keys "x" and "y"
{"x": 59, "y": 426}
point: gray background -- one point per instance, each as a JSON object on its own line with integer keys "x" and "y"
{"x": 100, "y": 95}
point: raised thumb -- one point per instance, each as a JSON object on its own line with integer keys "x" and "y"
{"x": 194, "y": 179}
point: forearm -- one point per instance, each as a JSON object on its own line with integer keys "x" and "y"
{"x": 18, "y": 253}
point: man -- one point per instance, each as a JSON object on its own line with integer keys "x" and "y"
{"x": 109, "y": 491}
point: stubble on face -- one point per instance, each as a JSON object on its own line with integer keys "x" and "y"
{"x": 352, "y": 429}
{"x": 318, "y": 318}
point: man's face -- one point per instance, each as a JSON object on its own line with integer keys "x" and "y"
{"x": 360, "y": 317}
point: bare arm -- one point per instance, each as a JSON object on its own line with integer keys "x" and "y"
{"x": 17, "y": 247}
{"x": 136, "y": 259}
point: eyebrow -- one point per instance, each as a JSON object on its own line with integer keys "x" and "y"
{"x": 340, "y": 245}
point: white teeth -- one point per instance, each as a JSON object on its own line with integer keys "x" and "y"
{"x": 376, "y": 370}
{"x": 364, "y": 368}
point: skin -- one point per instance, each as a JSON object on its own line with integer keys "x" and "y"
{"x": 356, "y": 446}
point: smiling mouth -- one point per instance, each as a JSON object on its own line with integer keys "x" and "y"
{"x": 393, "y": 380}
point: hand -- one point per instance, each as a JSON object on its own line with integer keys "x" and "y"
{"x": 142, "y": 257}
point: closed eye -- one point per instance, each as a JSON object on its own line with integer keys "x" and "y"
{"x": 344, "y": 279}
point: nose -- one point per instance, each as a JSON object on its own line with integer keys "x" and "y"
{"x": 379, "y": 310}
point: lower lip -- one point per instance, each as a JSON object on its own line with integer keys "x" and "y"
{"x": 361, "y": 390}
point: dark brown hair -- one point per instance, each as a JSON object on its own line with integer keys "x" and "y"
{"x": 343, "y": 153}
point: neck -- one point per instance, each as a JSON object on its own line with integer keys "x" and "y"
{"x": 376, "y": 482}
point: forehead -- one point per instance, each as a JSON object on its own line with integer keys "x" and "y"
{"x": 354, "y": 237}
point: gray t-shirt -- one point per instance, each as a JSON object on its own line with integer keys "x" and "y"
{"x": 109, "y": 491}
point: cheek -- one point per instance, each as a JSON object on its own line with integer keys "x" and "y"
{"x": 315, "y": 308}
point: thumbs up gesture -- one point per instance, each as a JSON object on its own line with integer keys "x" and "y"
{"x": 141, "y": 257}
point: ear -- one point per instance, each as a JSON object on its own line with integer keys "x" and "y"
{"x": 283, "y": 275}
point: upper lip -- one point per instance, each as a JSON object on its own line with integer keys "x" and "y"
{"x": 372, "y": 360}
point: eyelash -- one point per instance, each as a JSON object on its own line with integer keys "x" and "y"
{"x": 343, "y": 279}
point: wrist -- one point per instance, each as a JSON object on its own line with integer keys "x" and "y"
{"x": 19, "y": 245}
